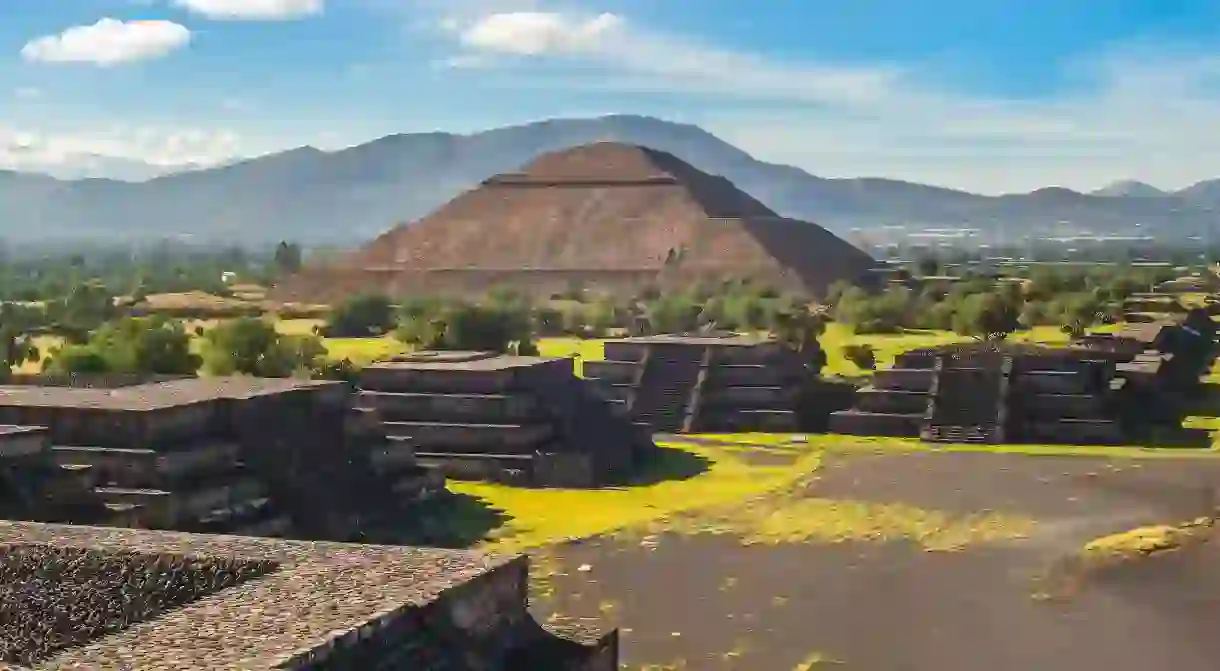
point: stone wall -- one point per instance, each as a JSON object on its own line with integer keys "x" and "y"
{"x": 1077, "y": 432}
{"x": 612, "y": 372}
{"x": 504, "y": 468}
{"x": 1051, "y": 382}
{"x": 892, "y": 401}
{"x": 907, "y": 379}
{"x": 855, "y": 423}
{"x": 509, "y": 408}
{"x": 481, "y": 438}
{"x": 80, "y": 426}
{"x": 1054, "y": 406}
{"x": 747, "y": 375}
{"x": 567, "y": 469}
{"x": 442, "y": 381}
{"x": 626, "y": 351}
{"x": 751, "y": 397}
{"x": 25, "y": 443}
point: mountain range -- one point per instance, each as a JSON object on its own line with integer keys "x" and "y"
{"x": 347, "y": 196}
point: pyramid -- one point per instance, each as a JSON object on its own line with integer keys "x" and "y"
{"x": 609, "y": 216}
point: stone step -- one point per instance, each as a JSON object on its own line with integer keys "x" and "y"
{"x": 452, "y": 437}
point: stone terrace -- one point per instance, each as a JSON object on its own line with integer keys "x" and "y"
{"x": 155, "y": 396}
{"x": 701, "y": 383}
{"x": 251, "y": 456}
{"x": 519, "y": 419}
{"x": 324, "y": 606}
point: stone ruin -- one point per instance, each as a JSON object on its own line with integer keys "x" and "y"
{"x": 1100, "y": 390}
{"x": 516, "y": 419}
{"x": 707, "y": 383}
{"x": 239, "y": 455}
{"x": 74, "y": 597}
{"x": 1152, "y": 306}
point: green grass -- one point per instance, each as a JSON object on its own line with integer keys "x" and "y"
{"x": 542, "y": 517}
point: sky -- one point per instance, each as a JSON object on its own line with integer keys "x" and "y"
{"x": 992, "y": 97}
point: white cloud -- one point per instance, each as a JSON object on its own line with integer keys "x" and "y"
{"x": 650, "y": 60}
{"x": 124, "y": 152}
{"x": 539, "y": 33}
{"x": 109, "y": 42}
{"x": 253, "y": 10}
{"x": 1146, "y": 114}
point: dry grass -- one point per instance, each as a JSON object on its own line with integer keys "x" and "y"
{"x": 759, "y": 503}
{"x": 1146, "y": 540}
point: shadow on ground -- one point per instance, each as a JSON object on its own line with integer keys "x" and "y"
{"x": 669, "y": 464}
{"x": 452, "y": 520}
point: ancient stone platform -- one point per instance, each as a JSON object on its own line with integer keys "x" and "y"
{"x": 1100, "y": 390}
{"x": 486, "y": 416}
{"x": 237, "y": 455}
{"x": 270, "y": 604}
{"x": 701, "y": 383}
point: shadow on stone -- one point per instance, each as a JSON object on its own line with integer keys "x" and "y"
{"x": 1174, "y": 437}
{"x": 669, "y": 464}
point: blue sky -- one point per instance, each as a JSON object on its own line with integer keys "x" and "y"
{"x": 994, "y": 96}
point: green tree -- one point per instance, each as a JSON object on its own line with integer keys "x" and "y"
{"x": 287, "y": 257}
{"x": 251, "y": 346}
{"x": 365, "y": 316}
{"x": 86, "y": 307}
{"x": 863, "y": 356}
{"x": 146, "y": 345}
{"x": 799, "y": 331}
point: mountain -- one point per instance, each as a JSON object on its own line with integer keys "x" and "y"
{"x": 1129, "y": 188}
{"x": 351, "y": 195}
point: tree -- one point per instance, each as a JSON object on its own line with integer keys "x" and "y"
{"x": 287, "y": 257}
{"x": 366, "y": 316}
{"x": 863, "y": 356}
{"x": 86, "y": 307}
{"x": 927, "y": 266}
{"x": 503, "y": 326}
{"x": 991, "y": 316}
{"x": 138, "y": 345}
{"x": 799, "y": 330}
{"x": 252, "y": 346}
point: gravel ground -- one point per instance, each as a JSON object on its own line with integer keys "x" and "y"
{"x": 707, "y": 602}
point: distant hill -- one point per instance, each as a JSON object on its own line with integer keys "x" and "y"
{"x": 1130, "y": 189}
{"x": 350, "y": 196}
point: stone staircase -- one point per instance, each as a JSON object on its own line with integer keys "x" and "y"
{"x": 965, "y": 405}
{"x": 669, "y": 379}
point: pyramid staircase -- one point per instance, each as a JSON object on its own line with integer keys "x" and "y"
{"x": 967, "y": 403}
{"x": 663, "y": 397}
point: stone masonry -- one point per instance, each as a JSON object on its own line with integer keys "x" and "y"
{"x": 256, "y": 604}
{"x": 235, "y": 455}
{"x": 485, "y": 416}
{"x": 701, "y": 384}
{"x": 1097, "y": 391}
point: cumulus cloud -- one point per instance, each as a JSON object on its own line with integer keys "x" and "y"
{"x": 253, "y": 10}
{"x": 635, "y": 57}
{"x": 538, "y": 33}
{"x": 109, "y": 42}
